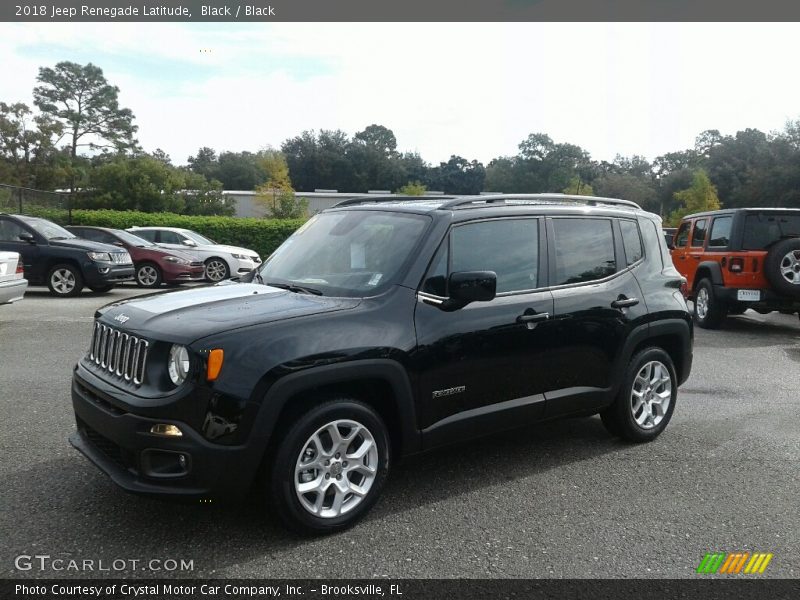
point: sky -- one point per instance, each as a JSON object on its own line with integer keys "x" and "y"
{"x": 476, "y": 90}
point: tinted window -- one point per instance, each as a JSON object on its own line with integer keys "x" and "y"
{"x": 170, "y": 237}
{"x": 683, "y": 234}
{"x": 89, "y": 234}
{"x": 584, "y": 250}
{"x": 762, "y": 229}
{"x": 699, "y": 233}
{"x": 147, "y": 234}
{"x": 436, "y": 280}
{"x": 509, "y": 247}
{"x": 720, "y": 232}
{"x": 47, "y": 229}
{"x": 9, "y": 231}
{"x": 631, "y": 241}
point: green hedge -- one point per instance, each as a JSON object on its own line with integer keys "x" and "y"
{"x": 261, "y": 235}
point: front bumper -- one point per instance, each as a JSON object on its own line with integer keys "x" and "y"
{"x": 105, "y": 273}
{"x": 13, "y": 290}
{"x": 120, "y": 444}
{"x": 769, "y": 299}
{"x": 174, "y": 272}
{"x": 242, "y": 266}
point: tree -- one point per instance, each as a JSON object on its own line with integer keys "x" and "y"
{"x": 700, "y": 196}
{"x": 412, "y": 188}
{"x": 458, "y": 176}
{"x": 86, "y": 105}
{"x": 27, "y": 145}
{"x": 578, "y": 187}
{"x": 277, "y": 193}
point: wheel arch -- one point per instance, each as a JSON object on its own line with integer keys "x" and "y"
{"x": 674, "y": 336}
{"x": 708, "y": 270}
{"x": 382, "y": 384}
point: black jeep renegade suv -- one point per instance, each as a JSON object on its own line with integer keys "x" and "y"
{"x": 382, "y": 328}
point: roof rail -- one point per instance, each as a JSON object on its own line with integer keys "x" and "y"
{"x": 365, "y": 199}
{"x": 488, "y": 200}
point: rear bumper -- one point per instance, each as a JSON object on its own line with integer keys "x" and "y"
{"x": 769, "y": 299}
{"x": 13, "y": 290}
{"x": 121, "y": 445}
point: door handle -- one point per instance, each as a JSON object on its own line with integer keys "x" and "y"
{"x": 697, "y": 256}
{"x": 624, "y": 302}
{"x": 533, "y": 318}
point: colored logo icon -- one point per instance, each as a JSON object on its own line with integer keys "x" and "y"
{"x": 735, "y": 562}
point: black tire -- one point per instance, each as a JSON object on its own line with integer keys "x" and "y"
{"x": 714, "y": 312}
{"x": 217, "y": 269}
{"x": 101, "y": 289}
{"x": 280, "y": 481}
{"x": 148, "y": 275}
{"x": 65, "y": 280}
{"x": 619, "y": 418}
{"x": 784, "y": 256}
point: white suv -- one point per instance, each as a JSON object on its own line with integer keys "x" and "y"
{"x": 221, "y": 261}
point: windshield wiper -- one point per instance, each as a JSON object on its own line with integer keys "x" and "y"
{"x": 298, "y": 289}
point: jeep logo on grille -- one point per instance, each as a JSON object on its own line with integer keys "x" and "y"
{"x": 122, "y": 318}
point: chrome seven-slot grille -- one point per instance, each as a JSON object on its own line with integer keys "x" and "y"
{"x": 121, "y": 354}
{"x": 121, "y": 258}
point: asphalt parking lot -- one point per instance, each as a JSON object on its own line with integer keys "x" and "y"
{"x": 557, "y": 500}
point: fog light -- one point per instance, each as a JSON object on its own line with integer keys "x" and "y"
{"x": 168, "y": 430}
{"x": 182, "y": 461}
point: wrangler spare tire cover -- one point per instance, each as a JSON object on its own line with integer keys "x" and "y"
{"x": 782, "y": 267}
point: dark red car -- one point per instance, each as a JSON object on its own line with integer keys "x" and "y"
{"x": 153, "y": 265}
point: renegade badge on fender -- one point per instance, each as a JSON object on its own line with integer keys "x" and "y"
{"x": 381, "y": 328}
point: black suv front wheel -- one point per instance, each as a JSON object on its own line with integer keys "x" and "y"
{"x": 65, "y": 280}
{"x": 646, "y": 400}
{"x": 330, "y": 468}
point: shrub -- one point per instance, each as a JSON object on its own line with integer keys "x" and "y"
{"x": 261, "y": 235}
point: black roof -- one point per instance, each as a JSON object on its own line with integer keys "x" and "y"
{"x": 730, "y": 211}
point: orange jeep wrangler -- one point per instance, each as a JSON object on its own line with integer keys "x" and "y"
{"x": 737, "y": 259}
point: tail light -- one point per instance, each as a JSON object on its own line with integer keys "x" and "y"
{"x": 20, "y": 268}
{"x": 736, "y": 265}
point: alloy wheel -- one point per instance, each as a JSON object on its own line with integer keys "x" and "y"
{"x": 216, "y": 270}
{"x": 651, "y": 394}
{"x": 790, "y": 267}
{"x": 701, "y": 303}
{"x": 63, "y": 281}
{"x": 336, "y": 468}
{"x": 147, "y": 275}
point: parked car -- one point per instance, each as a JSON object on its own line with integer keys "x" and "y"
{"x": 740, "y": 258}
{"x": 53, "y": 256}
{"x": 221, "y": 261}
{"x": 669, "y": 236}
{"x": 382, "y": 328}
{"x": 12, "y": 281}
{"x": 153, "y": 265}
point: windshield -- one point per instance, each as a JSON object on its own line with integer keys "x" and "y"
{"x": 764, "y": 229}
{"x": 48, "y": 230}
{"x": 133, "y": 240}
{"x": 198, "y": 238}
{"x": 348, "y": 253}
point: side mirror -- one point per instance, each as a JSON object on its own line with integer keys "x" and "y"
{"x": 189, "y": 243}
{"x": 27, "y": 237}
{"x": 470, "y": 286}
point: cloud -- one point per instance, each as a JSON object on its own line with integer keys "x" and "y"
{"x": 471, "y": 89}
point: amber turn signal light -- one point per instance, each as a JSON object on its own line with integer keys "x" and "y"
{"x": 214, "y": 366}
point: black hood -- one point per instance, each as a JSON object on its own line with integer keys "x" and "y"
{"x": 188, "y": 315}
{"x": 88, "y": 245}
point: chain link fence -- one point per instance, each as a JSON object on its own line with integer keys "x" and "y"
{"x": 56, "y": 206}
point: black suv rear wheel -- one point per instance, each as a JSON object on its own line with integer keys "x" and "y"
{"x": 330, "y": 468}
{"x": 646, "y": 400}
{"x": 709, "y": 311}
{"x": 782, "y": 267}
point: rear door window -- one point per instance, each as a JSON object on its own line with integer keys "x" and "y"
{"x": 763, "y": 229}
{"x": 584, "y": 250}
{"x": 720, "y": 232}
{"x": 631, "y": 241}
{"x": 699, "y": 233}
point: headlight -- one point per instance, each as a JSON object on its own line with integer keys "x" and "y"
{"x": 240, "y": 256}
{"x": 175, "y": 259}
{"x": 178, "y": 364}
{"x": 100, "y": 256}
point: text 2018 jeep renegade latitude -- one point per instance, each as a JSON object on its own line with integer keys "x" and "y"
{"x": 382, "y": 328}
